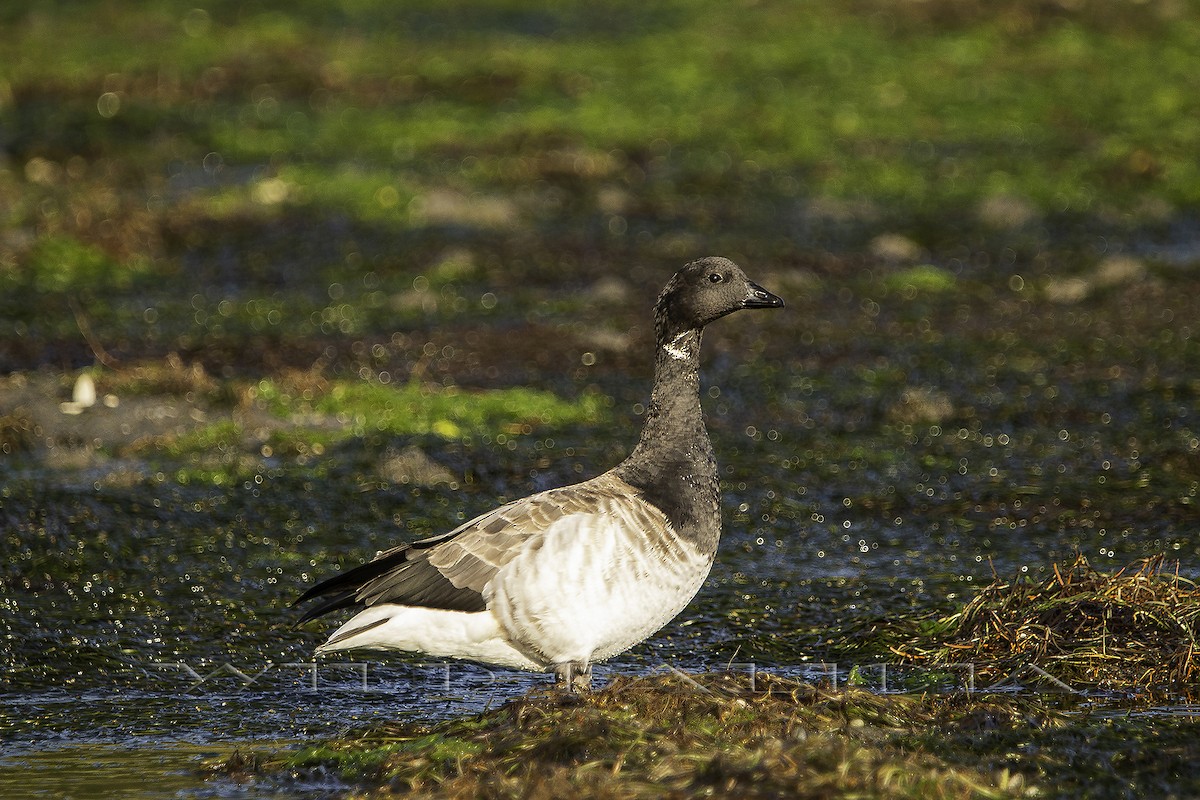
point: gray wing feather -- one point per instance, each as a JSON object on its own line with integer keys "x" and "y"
{"x": 453, "y": 570}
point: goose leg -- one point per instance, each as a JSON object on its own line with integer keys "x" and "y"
{"x": 573, "y": 676}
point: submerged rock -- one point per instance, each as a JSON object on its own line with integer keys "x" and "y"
{"x": 921, "y": 404}
{"x": 412, "y": 466}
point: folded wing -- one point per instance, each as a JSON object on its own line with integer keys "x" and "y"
{"x": 452, "y": 571}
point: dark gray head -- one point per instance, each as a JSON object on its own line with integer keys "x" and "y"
{"x": 704, "y": 291}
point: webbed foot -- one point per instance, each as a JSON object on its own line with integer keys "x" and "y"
{"x": 573, "y": 676}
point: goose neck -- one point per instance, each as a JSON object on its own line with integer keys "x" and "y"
{"x": 674, "y": 419}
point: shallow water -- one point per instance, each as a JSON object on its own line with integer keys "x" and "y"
{"x": 104, "y": 770}
{"x": 881, "y": 454}
{"x": 141, "y": 770}
{"x": 148, "y": 625}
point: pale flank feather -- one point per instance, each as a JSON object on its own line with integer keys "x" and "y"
{"x": 597, "y": 583}
{"x": 534, "y": 563}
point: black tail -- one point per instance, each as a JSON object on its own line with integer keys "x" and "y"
{"x": 402, "y": 575}
{"x": 341, "y": 591}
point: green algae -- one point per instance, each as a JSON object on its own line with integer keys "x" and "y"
{"x": 678, "y": 735}
{"x": 449, "y": 412}
{"x": 1091, "y": 755}
{"x": 921, "y": 278}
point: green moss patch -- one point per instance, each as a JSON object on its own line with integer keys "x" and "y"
{"x": 676, "y": 735}
{"x": 416, "y": 408}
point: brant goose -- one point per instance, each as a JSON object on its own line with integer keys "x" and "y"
{"x": 575, "y": 575}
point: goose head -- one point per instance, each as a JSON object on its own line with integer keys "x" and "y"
{"x": 704, "y": 291}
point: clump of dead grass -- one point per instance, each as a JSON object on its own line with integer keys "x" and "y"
{"x": 1133, "y": 629}
{"x": 677, "y": 735}
{"x": 18, "y": 431}
{"x": 167, "y": 376}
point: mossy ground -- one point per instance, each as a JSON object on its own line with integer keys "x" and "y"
{"x": 1041, "y": 656}
{"x": 676, "y": 735}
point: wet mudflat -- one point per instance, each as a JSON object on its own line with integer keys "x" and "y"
{"x": 325, "y": 302}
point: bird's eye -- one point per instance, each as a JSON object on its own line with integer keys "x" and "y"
{"x": 715, "y": 277}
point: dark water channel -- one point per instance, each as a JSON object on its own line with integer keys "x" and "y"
{"x": 882, "y": 455}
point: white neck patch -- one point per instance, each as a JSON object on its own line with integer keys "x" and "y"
{"x": 675, "y": 349}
